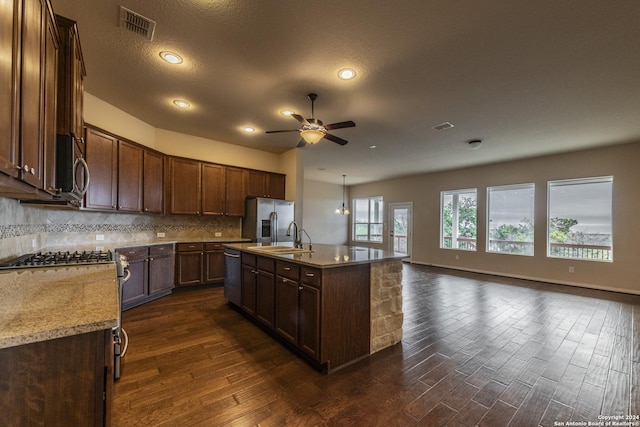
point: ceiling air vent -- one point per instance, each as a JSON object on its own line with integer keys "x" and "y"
{"x": 443, "y": 126}
{"x": 137, "y": 23}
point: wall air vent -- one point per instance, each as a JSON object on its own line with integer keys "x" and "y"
{"x": 443, "y": 126}
{"x": 137, "y": 23}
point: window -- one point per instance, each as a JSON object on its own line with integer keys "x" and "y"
{"x": 511, "y": 216}
{"x": 579, "y": 219}
{"x": 458, "y": 216}
{"x": 367, "y": 219}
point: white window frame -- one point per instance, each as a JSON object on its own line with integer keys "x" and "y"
{"x": 578, "y": 181}
{"x": 454, "y": 237}
{"x": 369, "y": 223}
{"x": 524, "y": 186}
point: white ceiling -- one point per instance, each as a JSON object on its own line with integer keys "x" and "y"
{"x": 527, "y": 77}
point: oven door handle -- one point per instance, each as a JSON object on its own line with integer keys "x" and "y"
{"x": 127, "y": 275}
{"x": 125, "y": 338}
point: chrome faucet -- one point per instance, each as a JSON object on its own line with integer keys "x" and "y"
{"x": 297, "y": 242}
{"x": 308, "y": 237}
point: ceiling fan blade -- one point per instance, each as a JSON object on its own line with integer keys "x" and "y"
{"x": 348, "y": 124}
{"x": 301, "y": 144}
{"x": 299, "y": 118}
{"x": 278, "y": 131}
{"x": 335, "y": 139}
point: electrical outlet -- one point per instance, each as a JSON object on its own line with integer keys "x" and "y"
{"x": 160, "y": 234}
{"x": 572, "y": 270}
{"x": 34, "y": 243}
{"x": 99, "y": 236}
{"x": 218, "y": 234}
{"x": 457, "y": 257}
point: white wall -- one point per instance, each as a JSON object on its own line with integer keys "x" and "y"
{"x": 620, "y": 161}
{"x": 320, "y": 220}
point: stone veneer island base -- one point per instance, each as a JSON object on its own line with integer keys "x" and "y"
{"x": 334, "y": 305}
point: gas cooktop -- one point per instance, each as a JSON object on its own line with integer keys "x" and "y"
{"x": 60, "y": 258}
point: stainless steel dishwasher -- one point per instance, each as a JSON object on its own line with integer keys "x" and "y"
{"x": 232, "y": 273}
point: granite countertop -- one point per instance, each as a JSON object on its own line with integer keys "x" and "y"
{"x": 324, "y": 256}
{"x": 45, "y": 303}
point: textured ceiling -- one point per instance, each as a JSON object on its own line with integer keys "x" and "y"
{"x": 528, "y": 78}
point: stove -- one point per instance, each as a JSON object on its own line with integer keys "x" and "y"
{"x": 60, "y": 258}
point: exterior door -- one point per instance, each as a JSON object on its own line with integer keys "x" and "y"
{"x": 400, "y": 227}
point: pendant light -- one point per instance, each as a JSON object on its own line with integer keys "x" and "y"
{"x": 343, "y": 210}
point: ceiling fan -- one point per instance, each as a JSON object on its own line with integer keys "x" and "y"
{"x": 313, "y": 130}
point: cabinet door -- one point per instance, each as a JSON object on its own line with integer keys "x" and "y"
{"x": 153, "y": 167}
{"x": 249, "y": 284}
{"x": 32, "y": 91}
{"x": 213, "y": 189}
{"x": 276, "y": 186}
{"x": 129, "y": 177}
{"x": 102, "y": 156}
{"x": 9, "y": 81}
{"x": 50, "y": 99}
{"x": 286, "y": 305}
{"x": 309, "y": 328}
{"x": 265, "y": 294}
{"x": 256, "y": 184}
{"x": 235, "y": 191}
{"x": 214, "y": 264}
{"x": 184, "y": 186}
{"x": 135, "y": 289}
{"x": 189, "y": 268}
{"x": 160, "y": 273}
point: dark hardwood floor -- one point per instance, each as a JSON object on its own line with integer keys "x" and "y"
{"x": 477, "y": 350}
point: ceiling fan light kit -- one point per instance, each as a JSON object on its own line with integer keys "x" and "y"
{"x": 313, "y": 130}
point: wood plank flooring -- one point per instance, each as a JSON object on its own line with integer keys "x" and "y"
{"x": 477, "y": 350}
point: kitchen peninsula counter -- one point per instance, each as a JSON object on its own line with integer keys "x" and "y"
{"x": 335, "y": 304}
{"x": 40, "y": 304}
{"x": 323, "y": 256}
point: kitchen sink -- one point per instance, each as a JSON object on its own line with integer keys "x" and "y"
{"x": 280, "y": 250}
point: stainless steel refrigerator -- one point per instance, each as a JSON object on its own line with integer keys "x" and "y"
{"x": 266, "y": 220}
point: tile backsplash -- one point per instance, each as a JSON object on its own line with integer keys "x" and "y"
{"x": 24, "y": 229}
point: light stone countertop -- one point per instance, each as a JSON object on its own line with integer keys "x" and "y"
{"x": 324, "y": 256}
{"x": 43, "y": 303}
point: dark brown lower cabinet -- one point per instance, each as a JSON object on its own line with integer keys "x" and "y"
{"x": 189, "y": 263}
{"x": 60, "y": 382}
{"x": 214, "y": 262}
{"x": 265, "y": 291}
{"x": 152, "y": 275}
{"x": 249, "y": 283}
{"x": 323, "y": 313}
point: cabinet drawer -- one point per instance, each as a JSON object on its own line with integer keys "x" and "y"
{"x": 266, "y": 264}
{"x": 213, "y": 247}
{"x": 189, "y": 247}
{"x": 285, "y": 269}
{"x": 248, "y": 259}
{"x": 160, "y": 249}
{"x": 134, "y": 253}
{"x": 311, "y": 276}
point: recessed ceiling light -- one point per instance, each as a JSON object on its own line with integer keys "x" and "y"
{"x": 181, "y": 103}
{"x": 249, "y": 129}
{"x": 347, "y": 73}
{"x": 286, "y": 112}
{"x": 475, "y": 144}
{"x": 171, "y": 57}
{"x": 372, "y": 146}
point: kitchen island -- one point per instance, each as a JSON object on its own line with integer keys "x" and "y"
{"x": 332, "y": 304}
{"x": 56, "y": 344}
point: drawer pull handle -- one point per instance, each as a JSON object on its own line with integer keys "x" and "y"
{"x": 286, "y": 268}
{"x": 310, "y": 275}
{"x": 300, "y": 288}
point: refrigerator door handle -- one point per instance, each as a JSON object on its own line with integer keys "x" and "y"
{"x": 274, "y": 227}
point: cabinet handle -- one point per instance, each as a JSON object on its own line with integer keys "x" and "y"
{"x": 310, "y": 275}
{"x": 150, "y": 259}
{"x": 25, "y": 168}
{"x": 33, "y": 171}
{"x": 17, "y": 167}
{"x": 300, "y": 288}
{"x": 286, "y": 268}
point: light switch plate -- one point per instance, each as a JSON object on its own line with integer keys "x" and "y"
{"x": 160, "y": 234}
{"x": 99, "y": 236}
{"x": 218, "y": 234}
